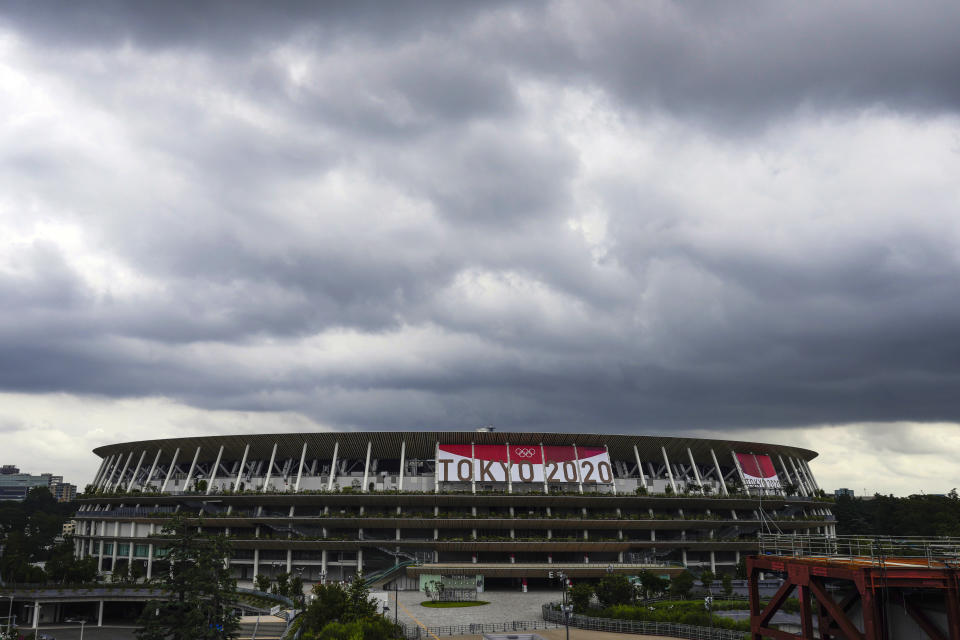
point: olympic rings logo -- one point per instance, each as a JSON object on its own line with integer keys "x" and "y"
{"x": 525, "y": 452}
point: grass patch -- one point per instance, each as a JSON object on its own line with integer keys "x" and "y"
{"x": 452, "y": 605}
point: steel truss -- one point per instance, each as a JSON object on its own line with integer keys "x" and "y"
{"x": 867, "y": 587}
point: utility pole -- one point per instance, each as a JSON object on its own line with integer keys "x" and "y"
{"x": 564, "y": 607}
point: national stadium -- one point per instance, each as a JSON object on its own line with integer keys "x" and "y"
{"x": 483, "y": 507}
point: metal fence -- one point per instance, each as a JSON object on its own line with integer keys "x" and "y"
{"x": 414, "y": 632}
{"x": 669, "y": 629}
{"x": 873, "y": 549}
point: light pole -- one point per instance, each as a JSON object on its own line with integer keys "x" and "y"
{"x": 303, "y": 601}
{"x": 82, "y": 622}
{"x": 564, "y": 607}
{"x": 9, "y": 613}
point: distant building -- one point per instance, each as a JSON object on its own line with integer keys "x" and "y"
{"x": 64, "y": 491}
{"x": 69, "y": 528}
{"x": 15, "y": 485}
{"x": 843, "y": 493}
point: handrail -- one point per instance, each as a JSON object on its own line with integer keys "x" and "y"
{"x": 864, "y": 549}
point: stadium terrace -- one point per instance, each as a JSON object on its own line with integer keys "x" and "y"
{"x": 404, "y": 508}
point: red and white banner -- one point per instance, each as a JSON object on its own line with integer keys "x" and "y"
{"x": 758, "y": 471}
{"x": 523, "y": 463}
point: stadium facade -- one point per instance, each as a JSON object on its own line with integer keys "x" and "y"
{"x": 485, "y": 506}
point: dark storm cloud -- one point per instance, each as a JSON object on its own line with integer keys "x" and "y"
{"x": 535, "y": 216}
{"x": 729, "y": 62}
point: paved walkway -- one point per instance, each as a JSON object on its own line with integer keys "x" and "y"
{"x": 505, "y": 606}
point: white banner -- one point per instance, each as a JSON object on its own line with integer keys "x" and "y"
{"x": 523, "y": 463}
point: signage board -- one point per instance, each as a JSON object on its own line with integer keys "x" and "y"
{"x": 523, "y": 463}
{"x": 758, "y": 471}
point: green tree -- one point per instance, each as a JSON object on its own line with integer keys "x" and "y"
{"x": 614, "y": 589}
{"x": 580, "y": 595}
{"x": 295, "y": 589}
{"x": 681, "y": 584}
{"x": 329, "y": 605}
{"x": 345, "y": 613}
{"x": 198, "y": 588}
{"x": 359, "y": 603}
{"x": 741, "y": 570}
{"x": 652, "y": 584}
{"x": 64, "y": 567}
{"x": 28, "y": 530}
{"x": 262, "y": 582}
{"x": 366, "y": 629}
{"x": 120, "y": 573}
{"x": 281, "y": 586}
{"x": 727, "y": 581}
{"x": 707, "y": 578}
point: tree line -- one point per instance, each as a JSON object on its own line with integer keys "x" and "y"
{"x": 916, "y": 515}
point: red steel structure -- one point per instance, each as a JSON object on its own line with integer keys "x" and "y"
{"x": 859, "y": 588}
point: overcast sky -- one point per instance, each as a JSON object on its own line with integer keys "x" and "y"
{"x": 717, "y": 219}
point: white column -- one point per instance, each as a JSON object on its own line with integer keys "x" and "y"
{"x": 643, "y": 477}
{"x": 543, "y": 460}
{"x": 116, "y": 547}
{"x": 193, "y": 465}
{"x": 173, "y": 463}
{"x": 806, "y": 468}
{"x": 673, "y": 483}
{"x": 100, "y": 470}
{"x": 36, "y": 614}
{"x": 107, "y": 477}
{"x": 150, "y": 559}
{"x": 266, "y": 480}
{"x": 473, "y": 467}
{"x": 696, "y": 472}
{"x": 716, "y": 465}
{"x": 576, "y": 462}
{"x": 289, "y": 561}
{"x": 243, "y": 464}
{"x": 100, "y": 614}
{"x": 800, "y": 481}
{"x": 153, "y": 468}
{"x": 213, "y": 471}
{"x": 436, "y": 468}
{"x": 509, "y": 475}
{"x": 786, "y": 473}
{"x": 136, "y": 470}
{"x": 743, "y": 478}
{"x": 123, "y": 471}
{"x": 403, "y": 461}
{"x": 333, "y": 466}
{"x": 303, "y": 458}
{"x": 366, "y": 469}
{"x": 613, "y": 476}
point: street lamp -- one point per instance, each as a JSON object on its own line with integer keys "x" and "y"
{"x": 303, "y": 603}
{"x": 9, "y": 613}
{"x": 564, "y": 607}
{"x": 82, "y": 622}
